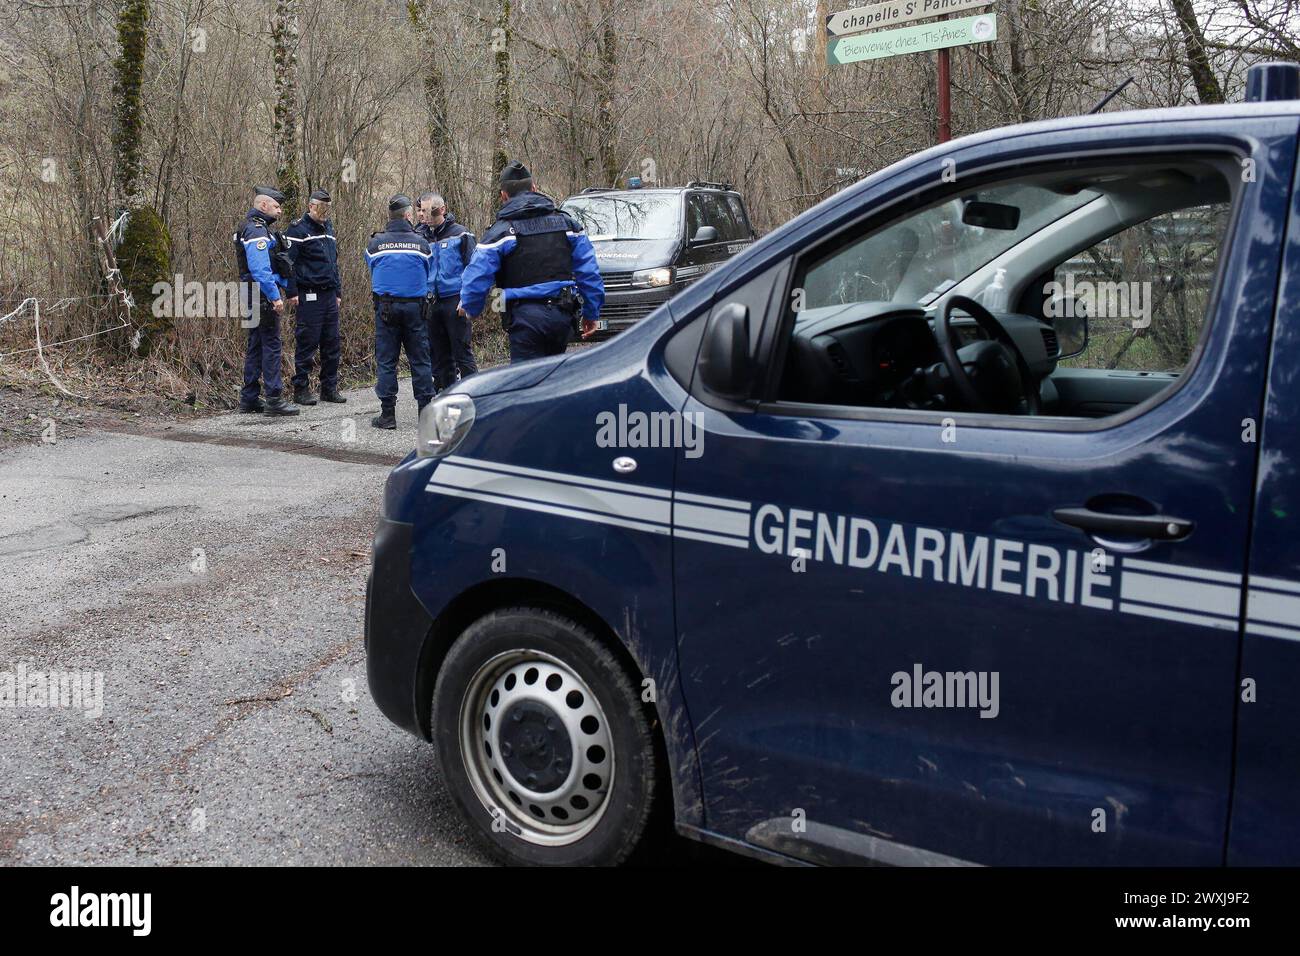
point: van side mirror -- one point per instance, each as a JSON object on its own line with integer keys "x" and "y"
{"x": 1071, "y": 331}
{"x": 726, "y": 366}
{"x": 1068, "y": 317}
{"x": 704, "y": 235}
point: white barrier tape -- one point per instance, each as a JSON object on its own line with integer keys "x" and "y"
{"x": 6, "y": 318}
{"x": 58, "y": 306}
{"x": 36, "y": 317}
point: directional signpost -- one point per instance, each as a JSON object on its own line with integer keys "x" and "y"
{"x": 914, "y": 39}
{"x": 894, "y": 13}
{"x": 856, "y": 35}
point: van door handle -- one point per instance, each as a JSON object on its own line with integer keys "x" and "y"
{"x": 1159, "y": 527}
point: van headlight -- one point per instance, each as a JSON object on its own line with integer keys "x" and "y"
{"x": 444, "y": 423}
{"x": 652, "y": 278}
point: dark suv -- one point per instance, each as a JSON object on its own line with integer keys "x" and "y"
{"x": 651, "y": 243}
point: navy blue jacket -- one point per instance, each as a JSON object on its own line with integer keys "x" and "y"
{"x": 452, "y": 246}
{"x": 255, "y": 244}
{"x": 399, "y": 261}
{"x": 499, "y": 242}
{"x": 315, "y": 255}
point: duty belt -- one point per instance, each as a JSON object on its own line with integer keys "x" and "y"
{"x": 572, "y": 302}
{"x": 567, "y": 300}
{"x": 385, "y": 302}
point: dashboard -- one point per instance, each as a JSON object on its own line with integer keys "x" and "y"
{"x": 870, "y": 354}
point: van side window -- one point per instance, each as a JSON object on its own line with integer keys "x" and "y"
{"x": 717, "y": 214}
{"x": 1145, "y": 291}
{"x": 746, "y": 231}
{"x": 1070, "y": 318}
{"x": 694, "y": 215}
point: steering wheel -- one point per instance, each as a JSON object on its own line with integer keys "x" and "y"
{"x": 1000, "y": 378}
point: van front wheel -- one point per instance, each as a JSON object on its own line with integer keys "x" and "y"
{"x": 543, "y": 742}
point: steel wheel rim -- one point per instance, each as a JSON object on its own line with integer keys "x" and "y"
{"x": 518, "y": 712}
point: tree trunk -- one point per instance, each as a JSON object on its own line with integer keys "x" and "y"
{"x": 1198, "y": 62}
{"x": 606, "y": 123}
{"x": 144, "y": 257}
{"x": 284, "y": 38}
{"x": 442, "y": 151}
{"x": 133, "y": 43}
{"x": 1016, "y": 55}
{"x": 501, "y": 103}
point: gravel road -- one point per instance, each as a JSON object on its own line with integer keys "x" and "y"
{"x": 203, "y": 579}
{"x": 210, "y": 575}
{"x": 219, "y": 590}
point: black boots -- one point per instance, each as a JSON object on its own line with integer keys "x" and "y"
{"x": 304, "y": 396}
{"x": 387, "y": 417}
{"x": 272, "y": 406}
{"x": 278, "y": 406}
{"x": 331, "y": 395}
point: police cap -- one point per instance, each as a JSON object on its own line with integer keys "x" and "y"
{"x": 320, "y": 195}
{"x": 270, "y": 192}
{"x": 399, "y": 202}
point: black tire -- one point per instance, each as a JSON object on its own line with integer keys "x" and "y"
{"x": 500, "y": 644}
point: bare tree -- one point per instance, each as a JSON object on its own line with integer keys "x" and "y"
{"x": 284, "y": 39}
{"x": 1198, "y": 63}
{"x": 368, "y": 99}
{"x": 501, "y": 73}
{"x": 442, "y": 150}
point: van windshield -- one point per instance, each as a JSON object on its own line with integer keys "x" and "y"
{"x": 622, "y": 216}
{"x": 915, "y": 260}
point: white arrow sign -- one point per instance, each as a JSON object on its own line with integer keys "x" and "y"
{"x": 892, "y": 13}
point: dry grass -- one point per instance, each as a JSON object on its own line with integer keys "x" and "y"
{"x": 175, "y": 380}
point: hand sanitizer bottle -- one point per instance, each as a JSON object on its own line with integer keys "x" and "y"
{"x": 994, "y": 295}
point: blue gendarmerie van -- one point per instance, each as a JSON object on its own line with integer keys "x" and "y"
{"x": 949, "y": 523}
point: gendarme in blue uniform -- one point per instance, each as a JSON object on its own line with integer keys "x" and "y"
{"x": 314, "y": 252}
{"x": 452, "y": 247}
{"x": 532, "y": 253}
{"x": 399, "y": 259}
{"x": 255, "y": 244}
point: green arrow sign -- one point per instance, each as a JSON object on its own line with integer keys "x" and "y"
{"x": 918, "y": 39}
